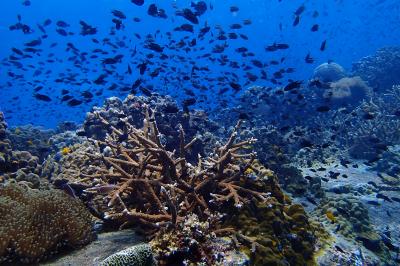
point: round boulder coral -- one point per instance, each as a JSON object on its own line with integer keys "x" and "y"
{"x": 329, "y": 72}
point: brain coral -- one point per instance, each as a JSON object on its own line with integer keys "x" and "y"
{"x": 137, "y": 255}
{"x": 329, "y": 72}
{"x": 36, "y": 223}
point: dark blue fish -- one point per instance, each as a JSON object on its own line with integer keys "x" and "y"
{"x": 138, "y": 2}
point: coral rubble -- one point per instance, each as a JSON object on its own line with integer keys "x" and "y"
{"x": 37, "y": 223}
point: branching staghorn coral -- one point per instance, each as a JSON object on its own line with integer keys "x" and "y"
{"x": 149, "y": 186}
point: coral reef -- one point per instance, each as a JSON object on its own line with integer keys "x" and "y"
{"x": 382, "y": 70}
{"x": 371, "y": 127}
{"x": 78, "y": 159}
{"x": 37, "y": 223}
{"x": 136, "y": 181}
{"x": 31, "y": 139}
{"x": 389, "y": 163}
{"x": 15, "y": 164}
{"x": 350, "y": 218}
{"x": 137, "y": 255}
{"x": 22, "y": 166}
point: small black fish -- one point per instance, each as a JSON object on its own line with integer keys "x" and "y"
{"x": 154, "y": 11}
{"x": 138, "y": 2}
{"x": 293, "y": 85}
{"x": 62, "y": 32}
{"x": 87, "y": 94}
{"x": 17, "y": 51}
{"x": 136, "y": 84}
{"x": 142, "y": 68}
{"x": 396, "y": 199}
{"x": 323, "y": 46}
{"x": 234, "y": 9}
{"x": 62, "y": 24}
{"x": 47, "y": 22}
{"x": 74, "y": 102}
{"x": 300, "y": 10}
{"x": 296, "y": 21}
{"x": 333, "y": 175}
{"x": 235, "y": 86}
{"x": 118, "y": 14}
{"x": 42, "y": 97}
{"x": 339, "y": 248}
{"x": 384, "y": 197}
{"x": 34, "y": 43}
{"x": 154, "y": 46}
{"x": 200, "y": 7}
{"x": 373, "y": 202}
{"x": 189, "y": 15}
{"x": 323, "y": 109}
{"x": 66, "y": 98}
{"x": 145, "y": 91}
{"x": 309, "y": 59}
{"x": 118, "y": 23}
{"x": 315, "y": 28}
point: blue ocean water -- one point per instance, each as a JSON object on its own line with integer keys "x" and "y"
{"x": 351, "y": 29}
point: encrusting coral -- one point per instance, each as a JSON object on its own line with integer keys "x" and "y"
{"x": 36, "y": 223}
{"x": 147, "y": 186}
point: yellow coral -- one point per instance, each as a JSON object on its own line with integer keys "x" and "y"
{"x": 331, "y": 217}
{"x": 66, "y": 150}
{"x": 249, "y": 171}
